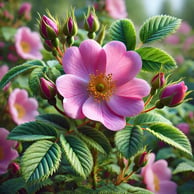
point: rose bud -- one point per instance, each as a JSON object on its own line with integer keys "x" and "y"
{"x": 158, "y": 81}
{"x": 70, "y": 28}
{"x": 14, "y": 168}
{"x": 25, "y": 11}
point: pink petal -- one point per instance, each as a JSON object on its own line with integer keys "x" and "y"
{"x": 160, "y": 168}
{"x": 75, "y": 94}
{"x": 149, "y": 179}
{"x": 98, "y": 111}
{"x": 125, "y": 106}
{"x": 134, "y": 88}
{"x": 167, "y": 187}
{"x": 93, "y": 56}
{"x": 73, "y": 63}
{"x": 121, "y": 64}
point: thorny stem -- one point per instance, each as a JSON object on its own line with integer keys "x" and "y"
{"x": 149, "y": 109}
{"x": 148, "y": 100}
{"x": 59, "y": 51}
{"x": 60, "y": 111}
{"x": 59, "y": 59}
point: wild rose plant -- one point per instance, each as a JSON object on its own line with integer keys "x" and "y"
{"x": 87, "y": 117}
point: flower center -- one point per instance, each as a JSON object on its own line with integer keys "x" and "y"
{"x": 156, "y": 183}
{"x": 20, "y": 109}
{"x": 25, "y": 46}
{"x": 1, "y": 153}
{"x": 101, "y": 86}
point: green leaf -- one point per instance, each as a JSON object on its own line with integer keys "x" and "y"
{"x": 78, "y": 154}
{"x": 129, "y": 140}
{"x": 32, "y": 131}
{"x": 40, "y": 160}
{"x": 34, "y": 79}
{"x": 124, "y": 31}
{"x": 57, "y": 121}
{"x": 95, "y": 139}
{"x": 8, "y": 33}
{"x": 149, "y": 119}
{"x": 12, "y": 185}
{"x": 155, "y": 60}
{"x": 171, "y": 135}
{"x": 158, "y": 27}
{"x": 15, "y": 71}
{"x": 183, "y": 167}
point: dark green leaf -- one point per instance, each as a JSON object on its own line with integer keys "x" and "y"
{"x": 78, "y": 154}
{"x": 158, "y": 27}
{"x": 155, "y": 60}
{"x": 129, "y": 141}
{"x": 15, "y": 71}
{"x": 171, "y": 135}
{"x": 57, "y": 121}
{"x": 124, "y": 31}
{"x": 150, "y": 118}
{"x": 95, "y": 139}
{"x": 40, "y": 160}
{"x": 32, "y": 131}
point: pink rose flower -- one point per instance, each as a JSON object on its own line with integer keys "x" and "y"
{"x": 21, "y": 107}
{"x": 7, "y": 151}
{"x": 100, "y": 83}
{"x": 157, "y": 175}
{"x": 116, "y": 9}
{"x": 25, "y": 10}
{"x": 28, "y": 44}
{"x": 3, "y": 70}
{"x": 184, "y": 127}
{"x": 173, "y": 94}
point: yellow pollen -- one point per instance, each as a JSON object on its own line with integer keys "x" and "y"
{"x": 1, "y": 153}
{"x": 25, "y": 46}
{"x": 156, "y": 183}
{"x": 101, "y": 86}
{"x": 20, "y": 109}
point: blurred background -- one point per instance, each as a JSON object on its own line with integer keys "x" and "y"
{"x": 138, "y": 10}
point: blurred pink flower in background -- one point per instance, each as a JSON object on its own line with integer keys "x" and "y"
{"x": 25, "y": 10}
{"x": 157, "y": 175}
{"x": 7, "y": 151}
{"x": 172, "y": 39}
{"x": 116, "y": 8}
{"x": 3, "y": 70}
{"x": 179, "y": 59}
{"x": 189, "y": 42}
{"x": 102, "y": 85}
{"x": 28, "y": 44}
{"x": 184, "y": 127}
{"x": 184, "y": 28}
{"x": 21, "y": 107}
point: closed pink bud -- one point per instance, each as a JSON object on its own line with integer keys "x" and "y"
{"x": 173, "y": 94}
{"x": 48, "y": 28}
{"x": 140, "y": 161}
{"x": 48, "y": 89}
{"x": 158, "y": 81}
{"x": 25, "y": 10}
{"x": 14, "y": 168}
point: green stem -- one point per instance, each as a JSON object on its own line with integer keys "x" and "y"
{"x": 94, "y": 170}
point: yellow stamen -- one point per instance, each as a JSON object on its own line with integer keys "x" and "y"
{"x": 25, "y": 46}
{"x": 20, "y": 109}
{"x": 101, "y": 86}
{"x": 1, "y": 153}
{"x": 156, "y": 183}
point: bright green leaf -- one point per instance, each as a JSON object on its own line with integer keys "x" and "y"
{"x": 78, "y": 154}
{"x": 57, "y": 121}
{"x": 129, "y": 140}
{"x": 40, "y": 160}
{"x": 171, "y": 135}
{"x": 32, "y": 131}
{"x": 155, "y": 60}
{"x": 15, "y": 71}
{"x": 124, "y": 31}
{"x": 158, "y": 27}
{"x": 149, "y": 119}
{"x": 95, "y": 139}
{"x": 34, "y": 79}
{"x": 184, "y": 167}
{"x": 8, "y": 33}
